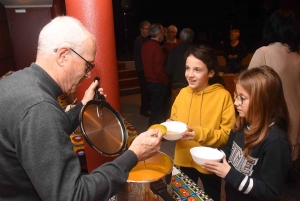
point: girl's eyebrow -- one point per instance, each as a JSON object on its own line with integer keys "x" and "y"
{"x": 195, "y": 66}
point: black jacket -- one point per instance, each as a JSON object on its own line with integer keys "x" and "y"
{"x": 263, "y": 178}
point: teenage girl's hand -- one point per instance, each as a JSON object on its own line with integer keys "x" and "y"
{"x": 189, "y": 134}
{"x": 220, "y": 169}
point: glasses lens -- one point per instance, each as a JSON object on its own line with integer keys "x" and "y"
{"x": 238, "y": 99}
{"x": 89, "y": 67}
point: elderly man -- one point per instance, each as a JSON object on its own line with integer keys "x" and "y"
{"x": 153, "y": 59}
{"x": 37, "y": 159}
{"x": 138, "y": 43}
{"x": 171, "y": 41}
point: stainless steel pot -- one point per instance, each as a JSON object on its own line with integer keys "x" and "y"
{"x": 150, "y": 189}
{"x": 104, "y": 130}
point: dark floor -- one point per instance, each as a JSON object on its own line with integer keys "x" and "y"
{"x": 130, "y": 110}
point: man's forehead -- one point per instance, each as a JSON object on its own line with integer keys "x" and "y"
{"x": 172, "y": 29}
{"x": 235, "y": 31}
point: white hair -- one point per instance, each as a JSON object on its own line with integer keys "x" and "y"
{"x": 62, "y": 31}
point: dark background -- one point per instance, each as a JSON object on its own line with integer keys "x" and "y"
{"x": 210, "y": 20}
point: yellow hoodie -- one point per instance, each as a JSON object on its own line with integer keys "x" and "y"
{"x": 211, "y": 113}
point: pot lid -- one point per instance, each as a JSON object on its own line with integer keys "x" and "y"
{"x": 103, "y": 127}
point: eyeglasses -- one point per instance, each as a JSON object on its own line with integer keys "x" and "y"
{"x": 89, "y": 65}
{"x": 238, "y": 99}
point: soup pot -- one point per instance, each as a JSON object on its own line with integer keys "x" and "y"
{"x": 104, "y": 130}
{"x": 149, "y": 180}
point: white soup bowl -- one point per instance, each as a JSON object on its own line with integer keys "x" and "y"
{"x": 175, "y": 129}
{"x": 202, "y": 154}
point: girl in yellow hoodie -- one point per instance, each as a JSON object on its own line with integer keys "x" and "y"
{"x": 207, "y": 108}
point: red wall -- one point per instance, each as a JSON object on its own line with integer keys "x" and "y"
{"x": 24, "y": 31}
{"x": 19, "y": 34}
{"x": 6, "y": 49}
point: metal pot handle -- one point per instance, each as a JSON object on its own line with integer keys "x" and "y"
{"x": 97, "y": 95}
{"x": 159, "y": 187}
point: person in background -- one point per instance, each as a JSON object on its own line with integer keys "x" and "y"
{"x": 176, "y": 62}
{"x": 281, "y": 37}
{"x": 138, "y": 43}
{"x": 207, "y": 109}
{"x": 258, "y": 149}
{"x": 37, "y": 158}
{"x": 171, "y": 40}
{"x": 234, "y": 52}
{"x": 154, "y": 61}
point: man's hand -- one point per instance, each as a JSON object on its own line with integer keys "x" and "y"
{"x": 220, "y": 169}
{"x": 90, "y": 92}
{"x": 146, "y": 144}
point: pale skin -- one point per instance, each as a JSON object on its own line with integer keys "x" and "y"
{"x": 222, "y": 169}
{"x": 197, "y": 75}
{"x": 69, "y": 70}
{"x": 145, "y": 30}
{"x": 171, "y": 33}
{"x": 147, "y": 144}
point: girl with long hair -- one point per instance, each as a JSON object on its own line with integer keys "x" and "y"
{"x": 258, "y": 150}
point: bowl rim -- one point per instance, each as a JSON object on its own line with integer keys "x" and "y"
{"x": 175, "y": 122}
{"x": 208, "y": 148}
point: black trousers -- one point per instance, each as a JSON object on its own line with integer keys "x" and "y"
{"x": 211, "y": 182}
{"x": 158, "y": 92}
{"x": 145, "y": 96}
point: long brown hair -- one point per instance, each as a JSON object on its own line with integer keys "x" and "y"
{"x": 266, "y": 105}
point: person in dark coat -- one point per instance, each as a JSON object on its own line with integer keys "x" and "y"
{"x": 138, "y": 43}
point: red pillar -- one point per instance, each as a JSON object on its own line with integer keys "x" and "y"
{"x": 97, "y": 17}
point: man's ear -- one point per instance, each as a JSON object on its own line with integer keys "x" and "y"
{"x": 62, "y": 55}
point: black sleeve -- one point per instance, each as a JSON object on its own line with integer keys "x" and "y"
{"x": 53, "y": 167}
{"x": 226, "y": 52}
{"x": 242, "y": 53}
{"x": 170, "y": 65}
{"x": 275, "y": 165}
{"x": 73, "y": 115}
{"x": 108, "y": 179}
{"x": 137, "y": 54}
